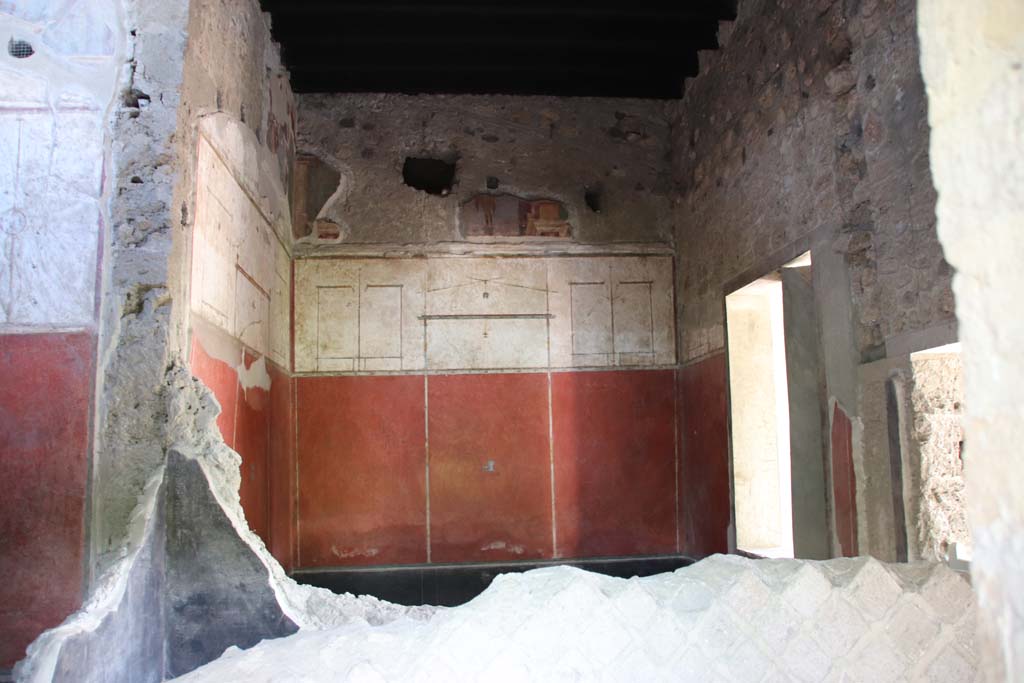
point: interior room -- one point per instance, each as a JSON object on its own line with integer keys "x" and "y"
{"x": 511, "y": 341}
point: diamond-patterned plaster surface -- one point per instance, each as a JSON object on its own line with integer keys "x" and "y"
{"x": 723, "y": 619}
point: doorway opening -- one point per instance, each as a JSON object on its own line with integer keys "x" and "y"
{"x": 776, "y": 390}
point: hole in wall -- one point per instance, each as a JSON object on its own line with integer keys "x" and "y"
{"x": 592, "y": 198}
{"x": 136, "y": 99}
{"x": 20, "y": 49}
{"x": 433, "y": 176}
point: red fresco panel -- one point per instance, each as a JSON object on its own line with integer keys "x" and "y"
{"x": 614, "y": 447}
{"x": 844, "y": 483}
{"x": 361, "y": 460}
{"x": 252, "y": 435}
{"x": 490, "y": 467}
{"x": 45, "y": 403}
{"x": 281, "y": 468}
{"x": 222, "y": 379}
{"x": 704, "y": 457}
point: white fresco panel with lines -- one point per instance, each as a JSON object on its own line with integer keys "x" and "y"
{"x": 477, "y": 313}
{"x": 240, "y": 269}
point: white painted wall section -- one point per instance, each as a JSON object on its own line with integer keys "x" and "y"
{"x": 477, "y": 313}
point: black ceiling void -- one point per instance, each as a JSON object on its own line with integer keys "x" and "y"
{"x": 630, "y": 48}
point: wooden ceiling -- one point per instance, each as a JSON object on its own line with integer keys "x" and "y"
{"x": 533, "y": 47}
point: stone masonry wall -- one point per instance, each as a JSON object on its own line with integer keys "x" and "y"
{"x": 936, "y": 417}
{"x": 809, "y": 124}
{"x": 536, "y": 147}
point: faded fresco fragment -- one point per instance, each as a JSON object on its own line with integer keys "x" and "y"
{"x": 505, "y": 215}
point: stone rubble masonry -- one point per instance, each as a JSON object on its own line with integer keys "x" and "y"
{"x": 536, "y": 147}
{"x": 929, "y": 390}
{"x": 808, "y": 128}
{"x": 936, "y": 466}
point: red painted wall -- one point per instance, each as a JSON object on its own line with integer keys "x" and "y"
{"x": 615, "y": 463}
{"x": 258, "y": 425}
{"x": 490, "y": 467}
{"x": 222, "y": 379}
{"x": 335, "y": 468}
{"x": 46, "y": 383}
{"x": 365, "y": 444}
{"x": 361, "y": 454}
{"x": 844, "y": 482}
{"x": 704, "y": 456}
{"x": 281, "y": 467}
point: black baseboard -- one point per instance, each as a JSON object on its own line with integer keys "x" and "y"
{"x": 455, "y": 584}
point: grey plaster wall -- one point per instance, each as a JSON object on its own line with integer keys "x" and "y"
{"x": 935, "y": 467}
{"x": 218, "y": 592}
{"x": 805, "y": 383}
{"x": 128, "y": 645}
{"x": 537, "y": 147}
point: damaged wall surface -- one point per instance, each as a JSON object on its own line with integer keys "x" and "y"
{"x": 514, "y": 306}
{"x": 531, "y": 147}
{"x": 192, "y": 578}
{"x": 104, "y": 148}
{"x": 229, "y": 66}
{"x": 240, "y": 292}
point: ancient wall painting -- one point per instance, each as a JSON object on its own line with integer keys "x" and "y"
{"x": 515, "y": 313}
{"x": 505, "y": 215}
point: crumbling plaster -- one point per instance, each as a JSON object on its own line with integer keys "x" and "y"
{"x": 537, "y": 147}
{"x": 188, "y": 61}
{"x": 973, "y": 64}
{"x": 939, "y": 513}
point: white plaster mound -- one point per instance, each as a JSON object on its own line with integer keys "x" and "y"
{"x": 725, "y": 618}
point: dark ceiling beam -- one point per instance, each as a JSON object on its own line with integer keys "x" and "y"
{"x": 525, "y": 29}
{"x": 707, "y": 10}
{"x": 391, "y": 40}
{"x": 551, "y": 59}
{"x": 604, "y": 48}
{"x": 626, "y": 88}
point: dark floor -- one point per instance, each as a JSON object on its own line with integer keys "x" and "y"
{"x": 455, "y": 584}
